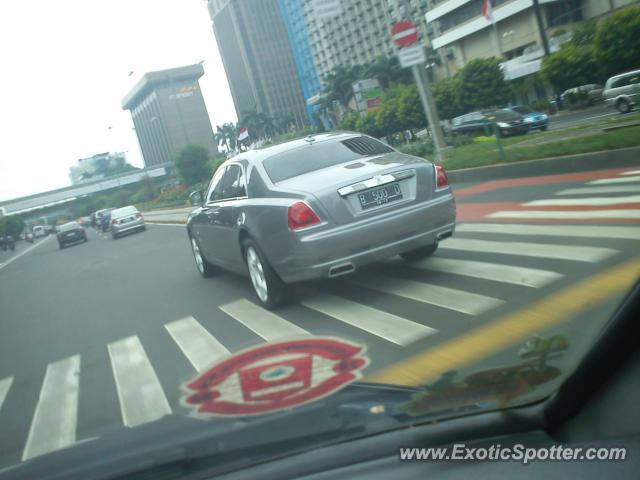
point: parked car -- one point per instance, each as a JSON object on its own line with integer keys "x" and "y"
{"x": 70, "y": 233}
{"x": 126, "y": 220}
{"x": 480, "y": 123}
{"x": 536, "y": 120}
{"x": 622, "y": 91}
{"x": 316, "y": 208}
{"x": 591, "y": 92}
{"x": 39, "y": 231}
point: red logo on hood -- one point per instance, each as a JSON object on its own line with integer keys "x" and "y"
{"x": 275, "y": 376}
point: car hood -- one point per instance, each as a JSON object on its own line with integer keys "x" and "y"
{"x": 124, "y": 451}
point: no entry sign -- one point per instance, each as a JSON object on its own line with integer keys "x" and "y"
{"x": 404, "y": 33}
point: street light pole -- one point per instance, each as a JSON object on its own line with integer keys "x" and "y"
{"x": 426, "y": 98}
{"x": 543, "y": 34}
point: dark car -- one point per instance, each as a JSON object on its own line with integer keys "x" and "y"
{"x": 70, "y": 233}
{"x": 536, "y": 120}
{"x": 318, "y": 207}
{"x": 7, "y": 242}
{"x": 482, "y": 123}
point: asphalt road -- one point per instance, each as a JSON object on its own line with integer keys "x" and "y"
{"x": 102, "y": 334}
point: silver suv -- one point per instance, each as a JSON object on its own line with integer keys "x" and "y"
{"x": 622, "y": 91}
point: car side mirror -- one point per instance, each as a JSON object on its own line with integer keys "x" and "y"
{"x": 196, "y": 198}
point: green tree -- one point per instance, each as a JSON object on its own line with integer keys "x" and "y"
{"x": 617, "y": 41}
{"x": 339, "y": 83}
{"x": 482, "y": 85}
{"x": 409, "y": 108}
{"x": 446, "y": 94}
{"x": 11, "y": 225}
{"x": 349, "y": 121}
{"x": 584, "y": 33}
{"x": 192, "y": 164}
{"x": 221, "y": 138}
{"x": 570, "y": 66}
{"x": 368, "y": 124}
{"x": 387, "y": 71}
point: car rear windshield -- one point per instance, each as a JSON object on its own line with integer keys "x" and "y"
{"x": 503, "y": 116}
{"x": 123, "y": 212}
{"x": 321, "y": 155}
{"x": 68, "y": 226}
{"x": 522, "y": 109}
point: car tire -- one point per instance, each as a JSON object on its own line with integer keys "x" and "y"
{"x": 543, "y": 129}
{"x": 86, "y": 239}
{"x": 269, "y": 288}
{"x": 419, "y": 253}
{"x": 205, "y": 268}
{"x": 114, "y": 236}
{"x": 623, "y": 105}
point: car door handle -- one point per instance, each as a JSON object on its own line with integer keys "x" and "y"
{"x": 212, "y": 215}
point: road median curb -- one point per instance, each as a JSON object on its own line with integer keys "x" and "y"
{"x": 604, "y": 160}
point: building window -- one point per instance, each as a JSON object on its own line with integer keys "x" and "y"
{"x": 559, "y": 13}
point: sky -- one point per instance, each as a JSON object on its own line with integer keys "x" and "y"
{"x": 66, "y": 66}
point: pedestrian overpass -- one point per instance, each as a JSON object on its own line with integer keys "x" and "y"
{"x": 67, "y": 194}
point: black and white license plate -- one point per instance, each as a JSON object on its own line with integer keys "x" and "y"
{"x": 380, "y": 196}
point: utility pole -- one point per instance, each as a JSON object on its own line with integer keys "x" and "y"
{"x": 424, "y": 90}
{"x": 543, "y": 34}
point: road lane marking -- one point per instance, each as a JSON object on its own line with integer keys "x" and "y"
{"x": 527, "y": 277}
{"x": 566, "y": 214}
{"x": 17, "y": 256}
{"x": 198, "y": 345}
{"x": 385, "y": 325}
{"x": 527, "y": 249}
{"x": 513, "y": 328}
{"x": 586, "y": 231}
{"x": 449, "y": 298}
{"x": 5, "y": 385}
{"x": 595, "y": 190}
{"x": 583, "y": 201}
{"x": 631, "y": 172}
{"x": 604, "y": 181}
{"x": 55, "y": 419}
{"x": 140, "y": 394}
{"x": 264, "y": 323}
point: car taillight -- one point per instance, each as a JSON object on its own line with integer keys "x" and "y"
{"x": 114, "y": 221}
{"x": 441, "y": 177}
{"x": 300, "y": 215}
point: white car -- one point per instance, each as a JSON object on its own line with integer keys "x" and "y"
{"x": 622, "y": 91}
{"x": 39, "y": 231}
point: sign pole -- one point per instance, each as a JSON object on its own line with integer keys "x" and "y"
{"x": 419, "y": 76}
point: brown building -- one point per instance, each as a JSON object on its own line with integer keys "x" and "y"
{"x": 169, "y": 112}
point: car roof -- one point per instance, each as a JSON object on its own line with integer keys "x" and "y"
{"x": 630, "y": 72}
{"x": 258, "y": 155}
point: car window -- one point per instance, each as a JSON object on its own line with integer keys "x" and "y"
{"x": 215, "y": 186}
{"x": 67, "y": 226}
{"x": 233, "y": 183}
{"x": 121, "y": 212}
{"x": 321, "y": 155}
{"x": 522, "y": 109}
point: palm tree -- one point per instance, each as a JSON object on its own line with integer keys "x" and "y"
{"x": 221, "y": 138}
{"x": 339, "y": 83}
{"x": 387, "y": 70}
{"x": 253, "y": 121}
{"x": 230, "y": 131}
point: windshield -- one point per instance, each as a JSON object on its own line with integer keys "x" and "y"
{"x": 263, "y": 226}
{"x": 325, "y": 154}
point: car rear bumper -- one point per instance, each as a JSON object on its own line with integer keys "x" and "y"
{"x": 127, "y": 227}
{"x": 341, "y": 250}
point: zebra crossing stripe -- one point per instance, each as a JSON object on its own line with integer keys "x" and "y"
{"x": 140, "y": 394}
{"x": 55, "y": 419}
{"x": 198, "y": 345}
{"x": 385, "y": 325}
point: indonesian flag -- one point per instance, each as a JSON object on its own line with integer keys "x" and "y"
{"x": 487, "y": 10}
{"x": 243, "y": 134}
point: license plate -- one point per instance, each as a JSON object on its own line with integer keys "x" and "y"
{"x": 380, "y": 196}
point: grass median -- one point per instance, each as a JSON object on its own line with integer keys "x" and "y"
{"x": 487, "y": 152}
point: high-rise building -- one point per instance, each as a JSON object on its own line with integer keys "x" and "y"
{"x": 461, "y": 33}
{"x": 169, "y": 112}
{"x": 257, "y": 58}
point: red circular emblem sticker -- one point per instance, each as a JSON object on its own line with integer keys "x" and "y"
{"x": 275, "y": 376}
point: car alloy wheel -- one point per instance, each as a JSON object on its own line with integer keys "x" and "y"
{"x": 204, "y": 267}
{"x": 269, "y": 287}
{"x": 624, "y": 106}
{"x": 256, "y": 272}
